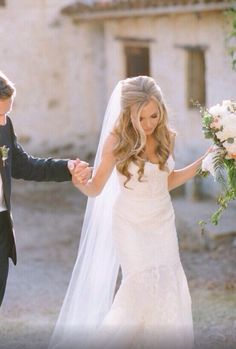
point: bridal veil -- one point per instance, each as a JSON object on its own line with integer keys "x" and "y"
{"x": 92, "y": 285}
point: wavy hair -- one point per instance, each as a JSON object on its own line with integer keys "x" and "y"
{"x": 7, "y": 88}
{"x": 131, "y": 139}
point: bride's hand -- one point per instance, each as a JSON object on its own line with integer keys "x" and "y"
{"x": 80, "y": 171}
{"x": 211, "y": 149}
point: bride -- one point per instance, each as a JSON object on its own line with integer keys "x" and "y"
{"x": 130, "y": 224}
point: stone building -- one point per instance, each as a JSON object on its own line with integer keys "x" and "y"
{"x": 180, "y": 43}
{"x": 38, "y": 50}
{"x": 66, "y": 57}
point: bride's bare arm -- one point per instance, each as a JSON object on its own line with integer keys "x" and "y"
{"x": 179, "y": 177}
{"x": 95, "y": 185}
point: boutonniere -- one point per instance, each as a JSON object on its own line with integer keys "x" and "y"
{"x": 4, "y": 153}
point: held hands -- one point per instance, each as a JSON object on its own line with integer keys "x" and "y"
{"x": 80, "y": 171}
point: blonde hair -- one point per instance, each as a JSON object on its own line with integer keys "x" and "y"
{"x": 7, "y": 88}
{"x": 131, "y": 139}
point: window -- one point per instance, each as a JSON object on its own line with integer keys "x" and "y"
{"x": 196, "y": 90}
{"x": 137, "y": 60}
{"x": 2, "y": 2}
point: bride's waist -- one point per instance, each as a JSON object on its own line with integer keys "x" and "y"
{"x": 143, "y": 196}
{"x": 143, "y": 208}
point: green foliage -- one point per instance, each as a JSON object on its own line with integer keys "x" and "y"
{"x": 202, "y": 173}
{"x": 207, "y": 120}
{"x": 230, "y": 140}
{"x": 219, "y": 168}
{"x": 229, "y": 192}
{"x": 231, "y": 166}
{"x": 225, "y": 174}
{"x": 223, "y": 202}
{"x": 202, "y": 225}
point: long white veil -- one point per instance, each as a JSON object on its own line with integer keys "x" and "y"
{"x": 92, "y": 285}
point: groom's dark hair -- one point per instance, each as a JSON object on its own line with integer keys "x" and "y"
{"x": 7, "y": 88}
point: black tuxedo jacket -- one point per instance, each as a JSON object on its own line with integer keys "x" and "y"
{"x": 21, "y": 165}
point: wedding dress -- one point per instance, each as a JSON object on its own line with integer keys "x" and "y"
{"x": 133, "y": 228}
{"x": 152, "y": 307}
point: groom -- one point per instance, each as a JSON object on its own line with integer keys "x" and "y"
{"x": 15, "y": 162}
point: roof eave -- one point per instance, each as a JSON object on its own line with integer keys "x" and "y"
{"x": 151, "y": 11}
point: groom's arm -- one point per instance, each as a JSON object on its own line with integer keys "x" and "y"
{"x": 27, "y": 167}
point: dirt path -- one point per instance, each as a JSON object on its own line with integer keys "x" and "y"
{"x": 48, "y": 219}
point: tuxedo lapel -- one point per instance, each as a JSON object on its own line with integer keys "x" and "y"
{"x": 5, "y": 168}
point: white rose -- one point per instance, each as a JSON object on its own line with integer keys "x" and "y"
{"x": 219, "y": 110}
{"x": 229, "y": 128}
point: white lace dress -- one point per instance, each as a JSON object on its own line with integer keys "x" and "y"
{"x": 152, "y": 308}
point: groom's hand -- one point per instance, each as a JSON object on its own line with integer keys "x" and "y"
{"x": 80, "y": 171}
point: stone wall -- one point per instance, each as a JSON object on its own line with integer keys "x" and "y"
{"x": 40, "y": 53}
{"x": 168, "y": 35}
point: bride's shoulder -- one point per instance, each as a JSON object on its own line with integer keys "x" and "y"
{"x": 111, "y": 140}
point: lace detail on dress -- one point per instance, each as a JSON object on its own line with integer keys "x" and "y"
{"x": 152, "y": 308}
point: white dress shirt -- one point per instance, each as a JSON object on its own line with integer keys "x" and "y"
{"x": 2, "y": 200}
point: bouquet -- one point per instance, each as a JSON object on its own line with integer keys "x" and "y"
{"x": 219, "y": 124}
{"x": 4, "y": 153}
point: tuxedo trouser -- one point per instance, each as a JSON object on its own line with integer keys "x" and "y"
{"x": 4, "y": 259}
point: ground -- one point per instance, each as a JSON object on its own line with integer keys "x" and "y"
{"x": 48, "y": 219}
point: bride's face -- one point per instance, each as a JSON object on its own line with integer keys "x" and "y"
{"x": 149, "y": 118}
